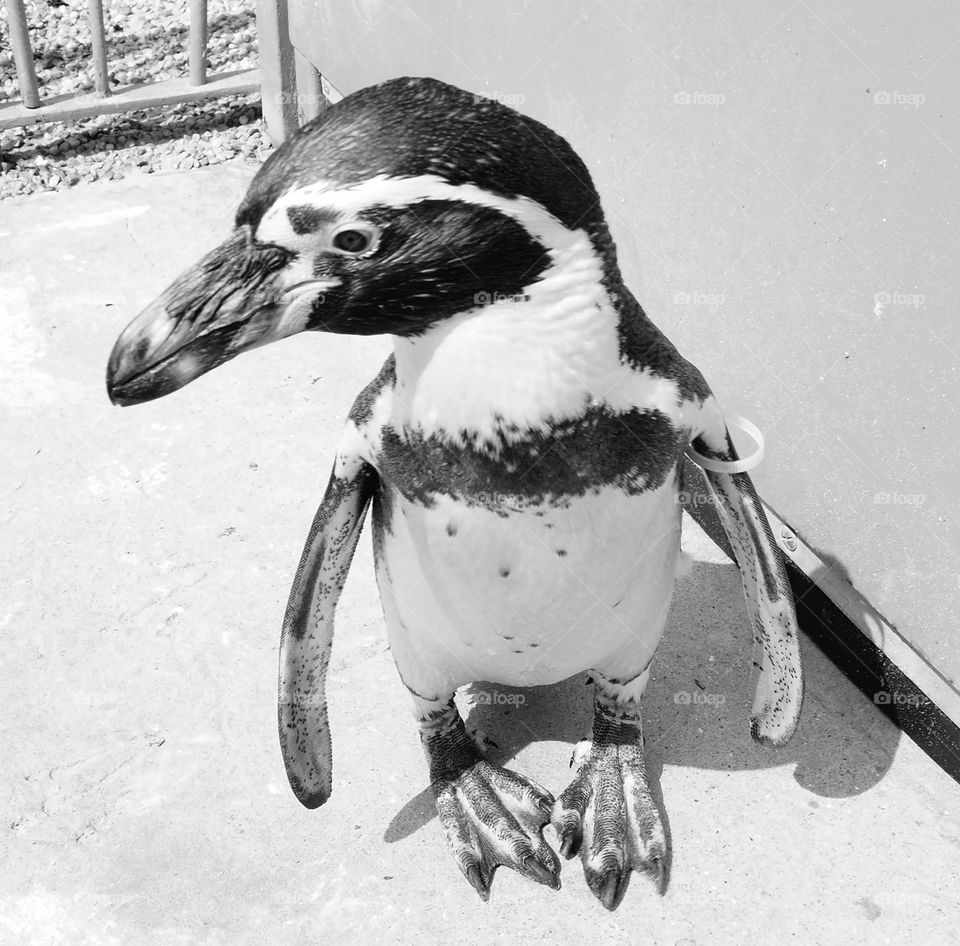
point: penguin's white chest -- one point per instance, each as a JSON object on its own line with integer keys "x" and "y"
{"x": 571, "y": 567}
{"x": 526, "y": 594}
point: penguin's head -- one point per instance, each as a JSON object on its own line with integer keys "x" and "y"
{"x": 404, "y": 204}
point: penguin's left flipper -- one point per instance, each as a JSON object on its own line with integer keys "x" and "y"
{"x": 491, "y": 817}
{"x": 779, "y": 688}
{"x": 308, "y": 626}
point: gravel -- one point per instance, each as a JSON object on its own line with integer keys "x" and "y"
{"x": 146, "y": 41}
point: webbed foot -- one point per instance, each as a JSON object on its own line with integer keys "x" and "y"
{"x": 491, "y": 816}
{"x": 607, "y": 813}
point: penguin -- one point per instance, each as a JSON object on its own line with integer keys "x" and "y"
{"x": 520, "y": 449}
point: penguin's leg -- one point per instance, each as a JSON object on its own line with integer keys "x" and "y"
{"x": 490, "y": 815}
{"x": 607, "y": 813}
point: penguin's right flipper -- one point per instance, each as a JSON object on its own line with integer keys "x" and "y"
{"x": 779, "y": 691}
{"x": 308, "y": 626}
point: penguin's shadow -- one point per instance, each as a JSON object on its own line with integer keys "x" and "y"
{"x": 696, "y": 709}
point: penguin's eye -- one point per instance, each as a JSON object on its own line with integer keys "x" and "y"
{"x": 353, "y": 240}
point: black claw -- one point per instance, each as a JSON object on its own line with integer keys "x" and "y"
{"x": 546, "y": 806}
{"x": 540, "y": 873}
{"x": 609, "y": 892}
{"x": 570, "y": 844}
{"x": 659, "y": 871}
{"x": 476, "y": 881}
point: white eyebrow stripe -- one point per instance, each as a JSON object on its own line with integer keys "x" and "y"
{"x": 386, "y": 191}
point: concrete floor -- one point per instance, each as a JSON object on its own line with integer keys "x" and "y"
{"x": 146, "y": 556}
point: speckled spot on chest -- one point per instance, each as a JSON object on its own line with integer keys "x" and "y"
{"x": 499, "y": 590}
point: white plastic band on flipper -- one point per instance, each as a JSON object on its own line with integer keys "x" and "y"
{"x": 732, "y": 466}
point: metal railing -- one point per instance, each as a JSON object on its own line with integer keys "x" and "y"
{"x": 31, "y": 109}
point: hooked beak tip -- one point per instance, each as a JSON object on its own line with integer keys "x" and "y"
{"x": 121, "y": 369}
{"x": 117, "y": 398}
{"x": 138, "y": 368}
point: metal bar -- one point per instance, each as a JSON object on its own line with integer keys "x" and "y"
{"x": 277, "y": 69}
{"x": 198, "y": 42}
{"x": 310, "y": 100}
{"x": 99, "y": 42}
{"x": 168, "y": 92}
{"x": 22, "y": 53}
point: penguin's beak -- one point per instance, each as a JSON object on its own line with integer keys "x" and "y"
{"x": 229, "y": 302}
